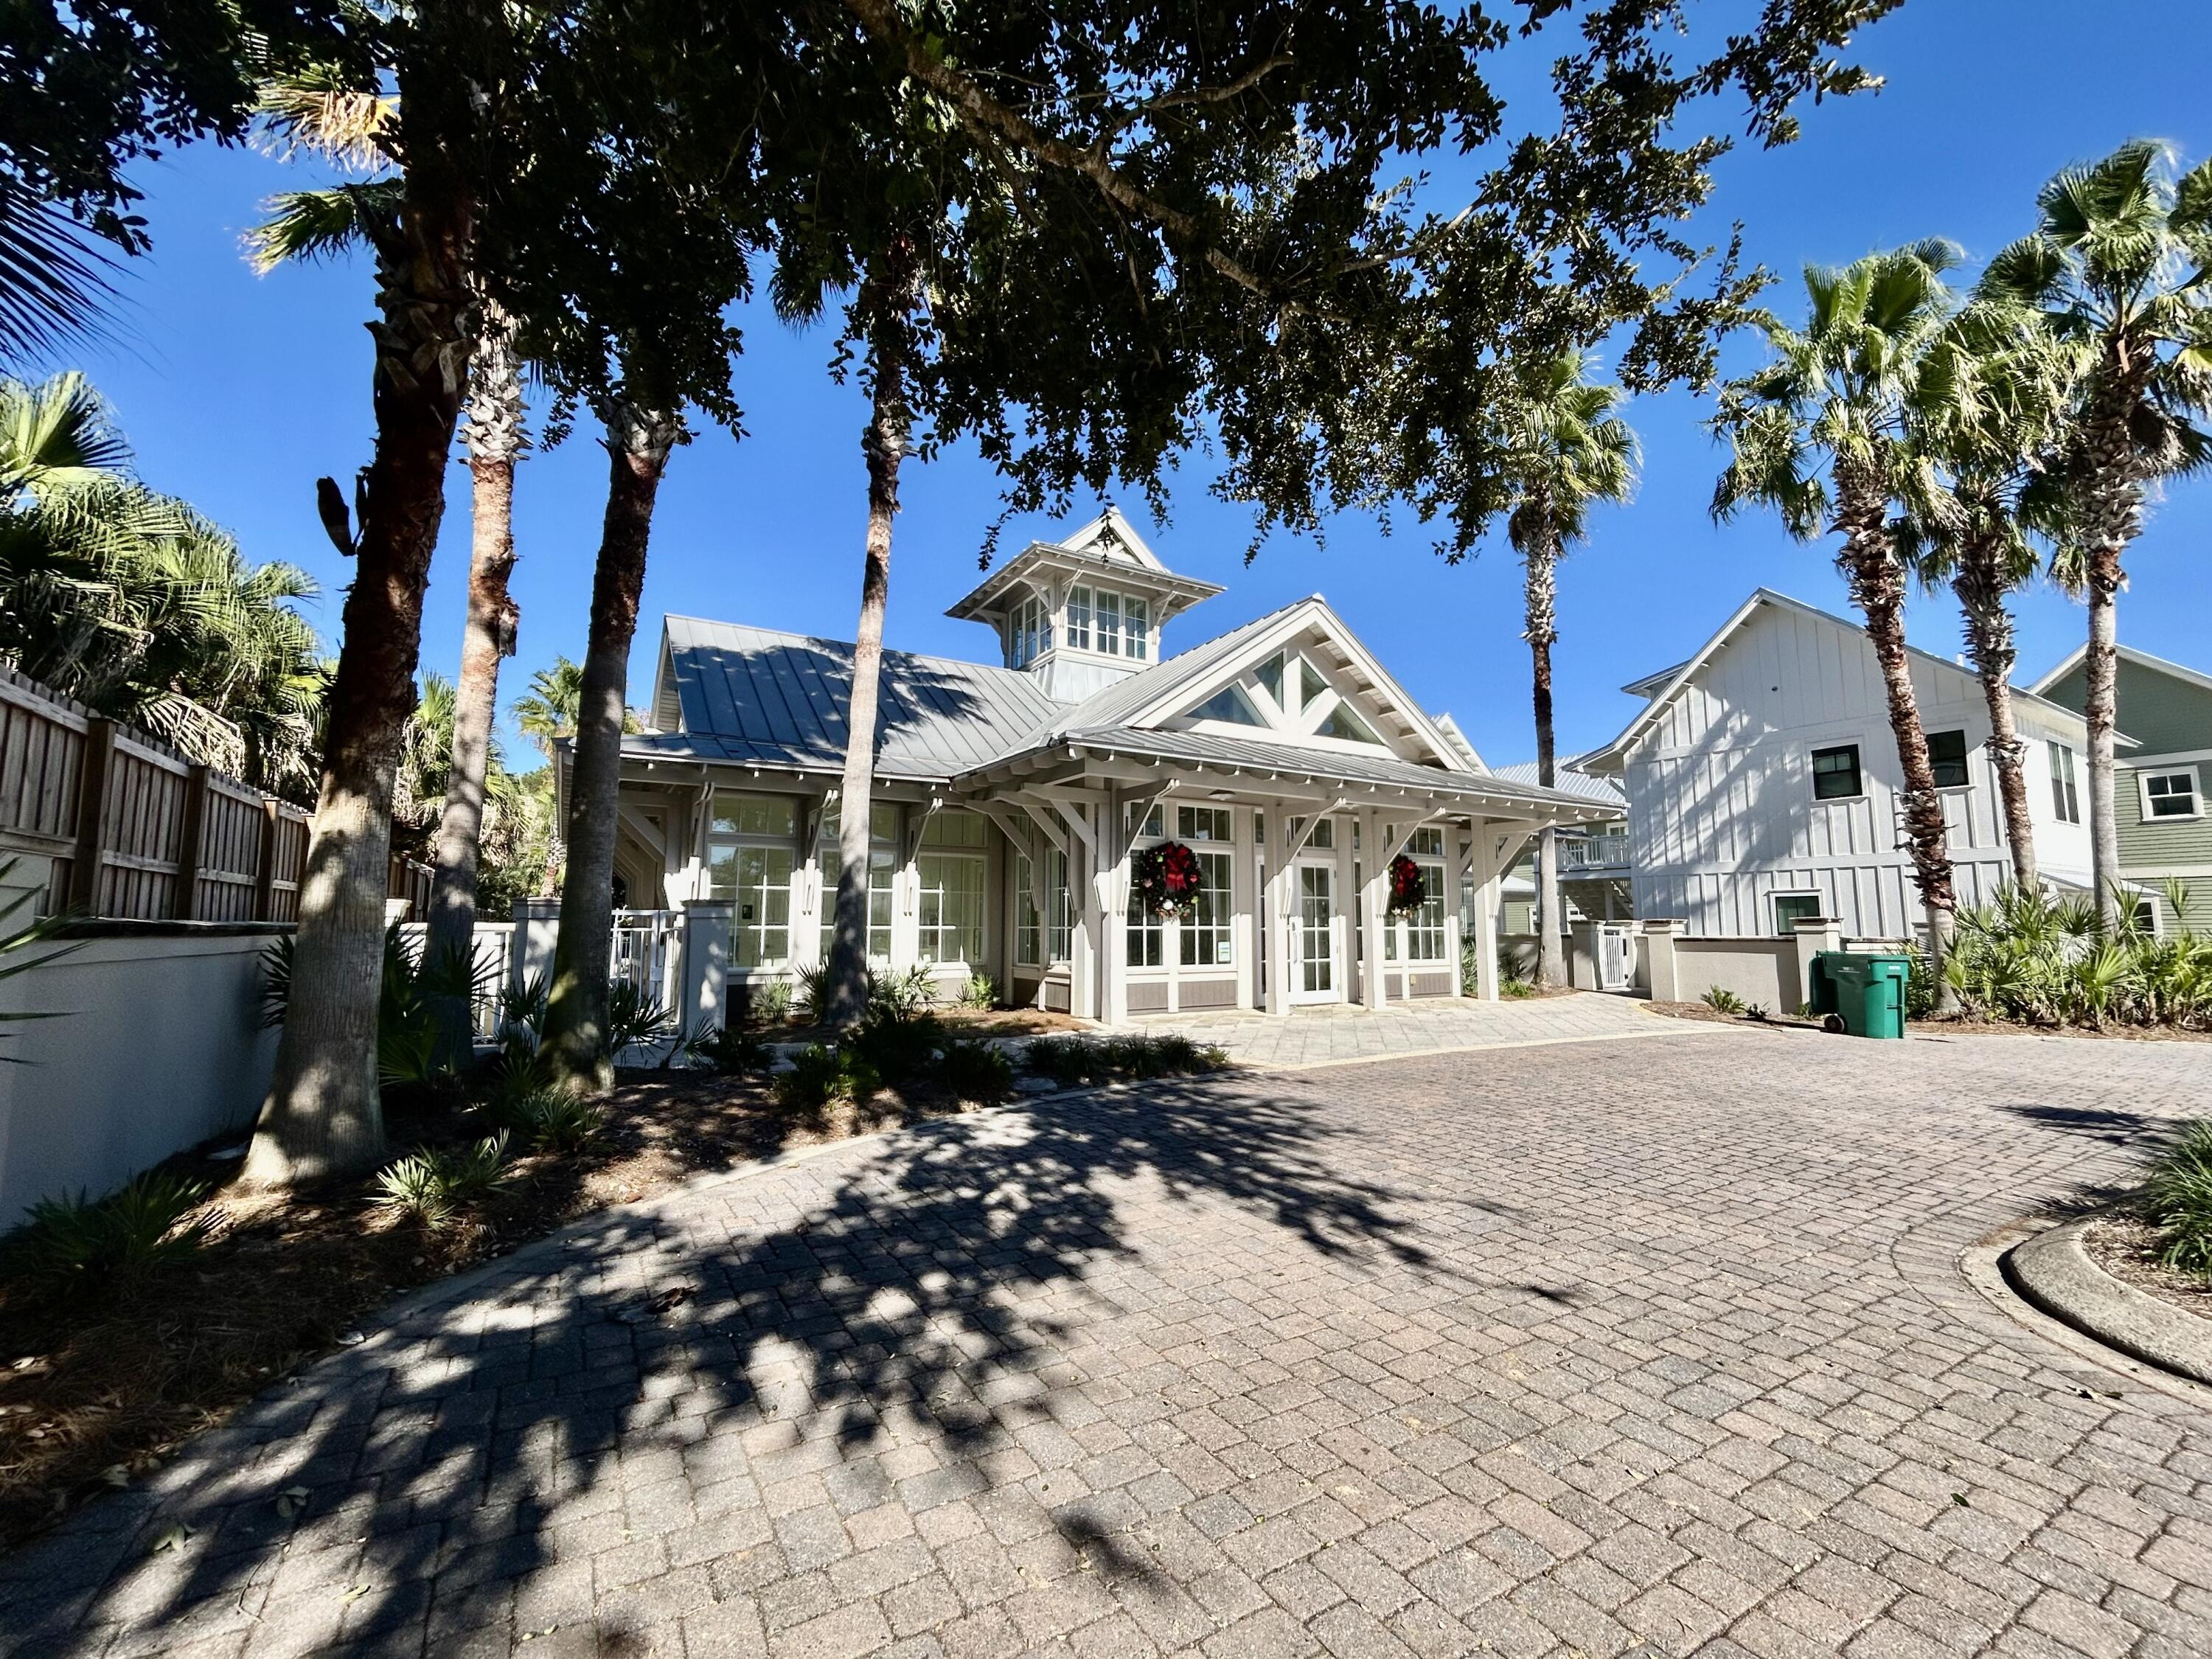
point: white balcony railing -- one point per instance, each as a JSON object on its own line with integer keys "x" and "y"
{"x": 1594, "y": 852}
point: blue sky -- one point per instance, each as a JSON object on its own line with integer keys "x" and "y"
{"x": 238, "y": 390}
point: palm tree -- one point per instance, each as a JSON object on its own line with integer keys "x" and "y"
{"x": 2117, "y": 262}
{"x": 1562, "y": 448}
{"x": 547, "y": 712}
{"x": 1820, "y": 435}
{"x": 340, "y": 124}
{"x": 133, "y": 602}
{"x": 576, "y": 1044}
{"x": 1988, "y": 409}
{"x": 53, "y": 286}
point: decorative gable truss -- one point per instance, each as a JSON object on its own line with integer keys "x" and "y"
{"x": 1307, "y": 682}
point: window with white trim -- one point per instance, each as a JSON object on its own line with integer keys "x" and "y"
{"x": 1079, "y": 618}
{"x": 1059, "y": 930}
{"x": 1203, "y": 823}
{"x": 2065, "y": 795}
{"x": 1108, "y": 615}
{"x": 2169, "y": 794}
{"x": 1028, "y": 631}
{"x": 1204, "y": 930}
{"x": 1424, "y": 927}
{"x": 882, "y": 872}
{"x": 1027, "y": 929}
{"x": 1947, "y": 759}
{"x": 1136, "y": 622}
{"x": 950, "y": 871}
{"x": 750, "y": 841}
{"x": 1791, "y": 908}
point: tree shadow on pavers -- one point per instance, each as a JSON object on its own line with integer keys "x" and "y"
{"x": 887, "y": 1320}
{"x": 2113, "y": 1128}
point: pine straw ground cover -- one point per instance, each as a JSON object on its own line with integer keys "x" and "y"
{"x": 96, "y": 1390}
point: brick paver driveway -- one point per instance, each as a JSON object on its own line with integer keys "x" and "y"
{"x": 1657, "y": 1347}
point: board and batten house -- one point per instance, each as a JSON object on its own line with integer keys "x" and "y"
{"x": 1011, "y": 798}
{"x": 2158, "y": 787}
{"x": 1763, "y": 782}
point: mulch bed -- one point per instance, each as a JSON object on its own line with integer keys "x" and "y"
{"x": 2127, "y": 1248}
{"x": 1964, "y": 1025}
{"x": 94, "y": 1395}
{"x": 969, "y": 1023}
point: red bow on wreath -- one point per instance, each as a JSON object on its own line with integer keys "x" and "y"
{"x": 1165, "y": 879}
{"x": 1406, "y": 888}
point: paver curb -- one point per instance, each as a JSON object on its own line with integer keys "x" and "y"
{"x": 2053, "y": 1271}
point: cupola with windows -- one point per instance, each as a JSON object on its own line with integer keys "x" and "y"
{"x": 1085, "y": 611}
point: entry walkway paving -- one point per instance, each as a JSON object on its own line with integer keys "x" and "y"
{"x": 1655, "y": 1347}
{"x": 1327, "y": 1034}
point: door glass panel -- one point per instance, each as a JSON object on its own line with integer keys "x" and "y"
{"x": 1316, "y": 959}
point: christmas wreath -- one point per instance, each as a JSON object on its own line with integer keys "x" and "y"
{"x": 1165, "y": 878}
{"x": 1407, "y": 890}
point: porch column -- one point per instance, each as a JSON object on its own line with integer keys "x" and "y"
{"x": 1373, "y": 899}
{"x": 1115, "y": 836}
{"x": 1488, "y": 878}
{"x": 536, "y": 931}
{"x": 704, "y": 938}
{"x": 1275, "y": 899}
{"x": 1452, "y": 903}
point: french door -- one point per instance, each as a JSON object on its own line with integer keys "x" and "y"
{"x": 1314, "y": 929}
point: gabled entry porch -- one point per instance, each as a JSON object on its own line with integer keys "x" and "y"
{"x": 1294, "y": 850}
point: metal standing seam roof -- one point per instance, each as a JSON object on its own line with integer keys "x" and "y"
{"x": 1384, "y": 770}
{"x": 773, "y": 698}
{"x": 1566, "y": 780}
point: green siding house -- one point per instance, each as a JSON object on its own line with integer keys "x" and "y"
{"x": 2158, "y": 787}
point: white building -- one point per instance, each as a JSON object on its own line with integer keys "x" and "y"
{"x": 1011, "y": 799}
{"x": 1763, "y": 781}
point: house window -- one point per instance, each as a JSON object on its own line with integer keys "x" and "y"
{"x": 1947, "y": 759}
{"x": 882, "y": 872}
{"x": 2169, "y": 794}
{"x": 1155, "y": 822}
{"x": 748, "y": 857}
{"x": 2065, "y": 796}
{"x": 1028, "y": 935}
{"x": 1836, "y": 773}
{"x": 1079, "y": 618}
{"x": 1310, "y": 683}
{"x": 1791, "y": 908}
{"x": 1030, "y": 631}
{"x": 1324, "y": 835}
{"x": 1343, "y": 723}
{"x": 1230, "y": 704}
{"x": 1058, "y": 931}
{"x": 1137, "y": 617}
{"x": 1427, "y": 843}
{"x": 951, "y": 906}
{"x": 1110, "y": 623}
{"x": 1147, "y": 932}
{"x": 1424, "y": 928}
{"x": 1270, "y": 674}
{"x": 1203, "y": 823}
{"x": 1204, "y": 928}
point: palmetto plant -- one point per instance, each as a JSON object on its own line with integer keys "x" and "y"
{"x": 132, "y": 602}
{"x": 22, "y": 938}
{"x": 1563, "y": 448}
{"x": 2042, "y": 961}
{"x": 2118, "y": 263}
{"x": 1819, "y": 435}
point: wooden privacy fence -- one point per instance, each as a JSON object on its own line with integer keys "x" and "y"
{"x": 128, "y": 828}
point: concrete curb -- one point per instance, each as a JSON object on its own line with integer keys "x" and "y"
{"x": 2053, "y": 1271}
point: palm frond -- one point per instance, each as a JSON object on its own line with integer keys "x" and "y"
{"x": 321, "y": 224}
{"x": 54, "y": 286}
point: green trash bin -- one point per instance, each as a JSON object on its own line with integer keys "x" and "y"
{"x": 1868, "y": 990}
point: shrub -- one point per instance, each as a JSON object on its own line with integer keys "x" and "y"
{"x": 976, "y": 1070}
{"x": 1071, "y": 1060}
{"x": 729, "y": 1051}
{"x": 2027, "y": 958}
{"x": 71, "y": 1246}
{"x": 427, "y": 1186}
{"x": 556, "y": 1121}
{"x": 767, "y": 1002}
{"x": 1919, "y": 984}
{"x": 2177, "y": 1199}
{"x": 903, "y": 996}
{"x": 979, "y": 993}
{"x": 636, "y": 1016}
{"x": 897, "y": 1046}
{"x": 820, "y": 1075}
{"x": 1515, "y": 990}
{"x": 1723, "y": 1001}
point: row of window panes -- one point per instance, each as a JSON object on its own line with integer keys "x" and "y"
{"x": 1837, "y": 776}
{"x": 1113, "y": 624}
{"x": 1056, "y": 938}
{"x": 1028, "y": 631}
{"x": 1204, "y": 933}
{"x": 1192, "y": 823}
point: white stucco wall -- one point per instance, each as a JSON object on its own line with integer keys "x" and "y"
{"x": 156, "y": 1044}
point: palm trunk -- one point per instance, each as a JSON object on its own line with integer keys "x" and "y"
{"x": 493, "y": 430}
{"x": 2112, "y": 515}
{"x": 1979, "y": 584}
{"x": 638, "y": 442}
{"x": 323, "y": 1115}
{"x": 883, "y": 445}
{"x": 2101, "y": 710}
{"x": 1542, "y": 560}
{"x": 1877, "y": 585}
